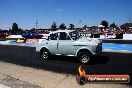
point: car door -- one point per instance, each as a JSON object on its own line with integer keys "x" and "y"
{"x": 65, "y": 44}
{"x": 52, "y": 43}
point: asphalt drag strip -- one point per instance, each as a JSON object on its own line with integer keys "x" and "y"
{"x": 108, "y": 63}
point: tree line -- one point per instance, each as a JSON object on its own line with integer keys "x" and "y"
{"x": 54, "y": 27}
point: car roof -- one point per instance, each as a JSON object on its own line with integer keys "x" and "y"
{"x": 67, "y": 31}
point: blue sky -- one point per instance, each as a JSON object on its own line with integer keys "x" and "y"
{"x": 90, "y": 12}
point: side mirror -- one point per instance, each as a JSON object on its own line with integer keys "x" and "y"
{"x": 48, "y": 38}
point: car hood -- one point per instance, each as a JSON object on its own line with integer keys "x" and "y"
{"x": 89, "y": 40}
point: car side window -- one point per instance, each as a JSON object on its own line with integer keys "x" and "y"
{"x": 53, "y": 36}
{"x": 64, "y": 36}
{"x": 68, "y": 38}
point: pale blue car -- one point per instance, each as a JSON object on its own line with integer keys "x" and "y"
{"x": 70, "y": 43}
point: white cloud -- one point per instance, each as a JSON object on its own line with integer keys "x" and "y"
{"x": 59, "y": 9}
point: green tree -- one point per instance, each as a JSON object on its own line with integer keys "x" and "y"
{"x": 104, "y": 23}
{"x": 71, "y": 26}
{"x": 62, "y": 26}
{"x": 20, "y": 30}
{"x": 84, "y": 27}
{"x": 113, "y": 25}
{"x": 126, "y": 25}
{"x": 54, "y": 26}
{"x": 15, "y": 28}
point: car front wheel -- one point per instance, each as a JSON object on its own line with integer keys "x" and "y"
{"x": 84, "y": 57}
{"x": 44, "y": 53}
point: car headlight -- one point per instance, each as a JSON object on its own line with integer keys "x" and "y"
{"x": 98, "y": 41}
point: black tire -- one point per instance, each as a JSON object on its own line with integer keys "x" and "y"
{"x": 84, "y": 57}
{"x": 44, "y": 54}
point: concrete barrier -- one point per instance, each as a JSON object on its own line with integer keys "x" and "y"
{"x": 127, "y": 36}
{"x": 14, "y": 36}
{"x": 118, "y": 41}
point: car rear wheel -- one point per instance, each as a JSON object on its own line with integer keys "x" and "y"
{"x": 44, "y": 54}
{"x": 84, "y": 57}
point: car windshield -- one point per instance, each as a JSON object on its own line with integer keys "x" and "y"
{"x": 74, "y": 35}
